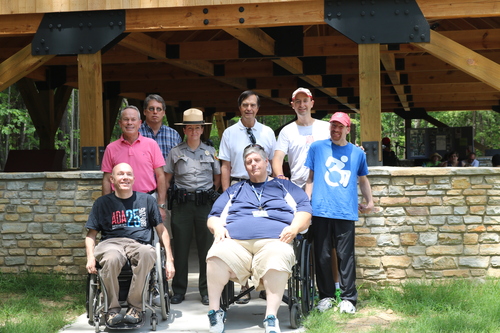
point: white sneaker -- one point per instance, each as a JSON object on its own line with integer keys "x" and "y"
{"x": 347, "y": 307}
{"x": 272, "y": 324}
{"x": 216, "y": 319}
{"x": 325, "y": 304}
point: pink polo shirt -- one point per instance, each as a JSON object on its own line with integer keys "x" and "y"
{"x": 143, "y": 155}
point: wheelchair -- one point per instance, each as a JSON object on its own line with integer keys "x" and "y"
{"x": 301, "y": 291}
{"x": 156, "y": 283}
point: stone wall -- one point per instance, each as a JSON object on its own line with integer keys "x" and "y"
{"x": 43, "y": 217}
{"x": 430, "y": 223}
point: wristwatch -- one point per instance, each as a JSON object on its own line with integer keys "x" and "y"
{"x": 162, "y": 206}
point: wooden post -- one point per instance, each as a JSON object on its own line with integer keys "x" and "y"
{"x": 370, "y": 106}
{"x": 91, "y": 104}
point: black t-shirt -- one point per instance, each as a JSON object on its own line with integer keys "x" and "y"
{"x": 134, "y": 217}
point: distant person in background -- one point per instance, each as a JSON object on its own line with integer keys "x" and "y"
{"x": 495, "y": 160}
{"x": 451, "y": 161}
{"x": 470, "y": 161}
{"x": 388, "y": 155}
{"x": 434, "y": 161}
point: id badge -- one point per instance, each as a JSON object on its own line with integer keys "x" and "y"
{"x": 259, "y": 213}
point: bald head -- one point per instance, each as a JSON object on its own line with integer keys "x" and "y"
{"x": 122, "y": 178}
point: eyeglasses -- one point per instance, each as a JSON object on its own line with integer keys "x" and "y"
{"x": 251, "y": 136}
{"x": 153, "y": 109}
{"x": 254, "y": 145}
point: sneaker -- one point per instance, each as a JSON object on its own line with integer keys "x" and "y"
{"x": 113, "y": 318}
{"x": 216, "y": 319}
{"x": 325, "y": 304}
{"x": 347, "y": 307}
{"x": 156, "y": 298}
{"x": 272, "y": 324}
{"x": 133, "y": 316}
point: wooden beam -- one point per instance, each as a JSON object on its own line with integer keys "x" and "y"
{"x": 20, "y": 65}
{"x": 369, "y": 90}
{"x": 255, "y": 38}
{"x": 90, "y": 100}
{"x": 463, "y": 58}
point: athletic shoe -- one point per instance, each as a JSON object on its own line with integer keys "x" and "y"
{"x": 325, "y": 304}
{"x": 347, "y": 307}
{"x": 272, "y": 324}
{"x": 216, "y": 319}
{"x": 156, "y": 298}
{"x": 133, "y": 316}
{"x": 113, "y": 318}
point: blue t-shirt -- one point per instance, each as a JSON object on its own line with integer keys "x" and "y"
{"x": 242, "y": 199}
{"x": 336, "y": 171}
{"x": 134, "y": 217}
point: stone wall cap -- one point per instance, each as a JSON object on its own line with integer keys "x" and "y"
{"x": 52, "y": 175}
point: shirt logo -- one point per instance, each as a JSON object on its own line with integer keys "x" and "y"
{"x": 335, "y": 175}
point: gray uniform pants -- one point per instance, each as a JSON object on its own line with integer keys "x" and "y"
{"x": 112, "y": 254}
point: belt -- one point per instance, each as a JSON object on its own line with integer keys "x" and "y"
{"x": 152, "y": 191}
{"x": 238, "y": 179}
{"x": 191, "y": 196}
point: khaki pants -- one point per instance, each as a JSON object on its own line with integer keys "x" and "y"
{"x": 112, "y": 254}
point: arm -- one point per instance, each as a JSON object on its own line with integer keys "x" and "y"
{"x": 169, "y": 260}
{"x": 161, "y": 190}
{"x": 225, "y": 170}
{"x": 366, "y": 191}
{"x": 217, "y": 181}
{"x": 106, "y": 183}
{"x": 89, "y": 248}
{"x": 277, "y": 164}
{"x": 216, "y": 227}
{"x": 300, "y": 222}
{"x": 309, "y": 184}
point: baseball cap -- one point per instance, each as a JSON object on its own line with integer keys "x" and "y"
{"x": 302, "y": 90}
{"x": 386, "y": 141}
{"x": 342, "y": 118}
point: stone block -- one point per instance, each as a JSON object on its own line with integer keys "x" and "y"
{"x": 422, "y": 262}
{"x": 52, "y": 228}
{"x": 471, "y": 239}
{"x": 453, "y": 201}
{"x": 16, "y": 252}
{"x": 396, "y": 273}
{"x": 413, "y": 211}
{"x": 46, "y": 243}
{"x": 403, "y": 181}
{"x": 440, "y": 210}
{"x": 42, "y": 261}
{"x": 72, "y": 210}
{"x": 493, "y": 210}
{"x": 11, "y": 217}
{"x": 476, "y": 200}
{"x": 449, "y": 239}
{"x": 460, "y": 273}
{"x": 460, "y": 182}
{"x": 493, "y": 201}
{"x": 73, "y": 228}
{"x": 17, "y": 260}
{"x": 445, "y": 250}
{"x": 408, "y": 239}
{"x": 374, "y": 274}
{"x": 363, "y": 241}
{"x": 460, "y": 210}
{"x": 44, "y": 252}
{"x": 489, "y": 249}
{"x": 13, "y": 228}
{"x": 396, "y": 261}
{"x": 416, "y": 250}
{"x": 426, "y": 201}
{"x": 43, "y": 218}
{"x": 368, "y": 262}
{"x": 374, "y": 221}
{"x": 474, "y": 262}
{"x": 489, "y": 238}
{"x": 478, "y": 272}
{"x": 444, "y": 263}
{"x": 388, "y": 240}
{"x": 473, "y": 219}
{"x": 438, "y": 219}
{"x": 74, "y": 243}
{"x": 428, "y": 238}
{"x": 412, "y": 273}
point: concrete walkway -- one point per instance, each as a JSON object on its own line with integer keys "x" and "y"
{"x": 191, "y": 315}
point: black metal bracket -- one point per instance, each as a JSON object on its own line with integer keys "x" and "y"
{"x": 378, "y": 21}
{"x": 71, "y": 33}
{"x": 371, "y": 151}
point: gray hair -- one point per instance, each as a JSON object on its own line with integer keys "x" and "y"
{"x": 133, "y": 107}
{"x": 254, "y": 148}
{"x": 154, "y": 97}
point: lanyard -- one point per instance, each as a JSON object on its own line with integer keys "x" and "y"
{"x": 259, "y": 195}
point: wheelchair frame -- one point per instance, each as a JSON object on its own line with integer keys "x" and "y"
{"x": 97, "y": 298}
{"x": 301, "y": 285}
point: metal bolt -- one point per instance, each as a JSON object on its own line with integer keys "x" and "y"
{"x": 396, "y": 12}
{"x": 42, "y": 41}
{"x": 329, "y": 15}
{"x": 81, "y": 47}
{"x": 363, "y": 13}
{"x": 89, "y": 47}
{"x": 411, "y": 36}
{"x": 372, "y": 37}
{"x": 120, "y": 23}
{"x": 205, "y": 21}
{"x": 372, "y": 13}
{"x": 416, "y": 28}
{"x": 80, "y": 25}
{"x": 89, "y": 25}
{"x": 339, "y": 14}
{"x": 46, "y": 48}
{"x": 241, "y": 9}
{"x": 363, "y": 38}
{"x": 50, "y": 26}
{"x": 37, "y": 49}
{"x": 205, "y": 10}
{"x": 59, "y": 26}
{"x": 422, "y": 36}
{"x": 242, "y": 20}
{"x": 111, "y": 24}
{"x": 407, "y": 12}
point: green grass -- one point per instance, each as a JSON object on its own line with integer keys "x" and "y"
{"x": 39, "y": 303}
{"x": 438, "y": 307}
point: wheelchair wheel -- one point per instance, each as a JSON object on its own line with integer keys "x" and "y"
{"x": 93, "y": 299}
{"x": 308, "y": 288}
{"x": 161, "y": 278}
{"x": 295, "y": 316}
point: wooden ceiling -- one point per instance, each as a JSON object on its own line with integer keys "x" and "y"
{"x": 196, "y": 53}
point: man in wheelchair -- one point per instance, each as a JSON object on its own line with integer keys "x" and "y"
{"x": 254, "y": 223}
{"x": 125, "y": 220}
